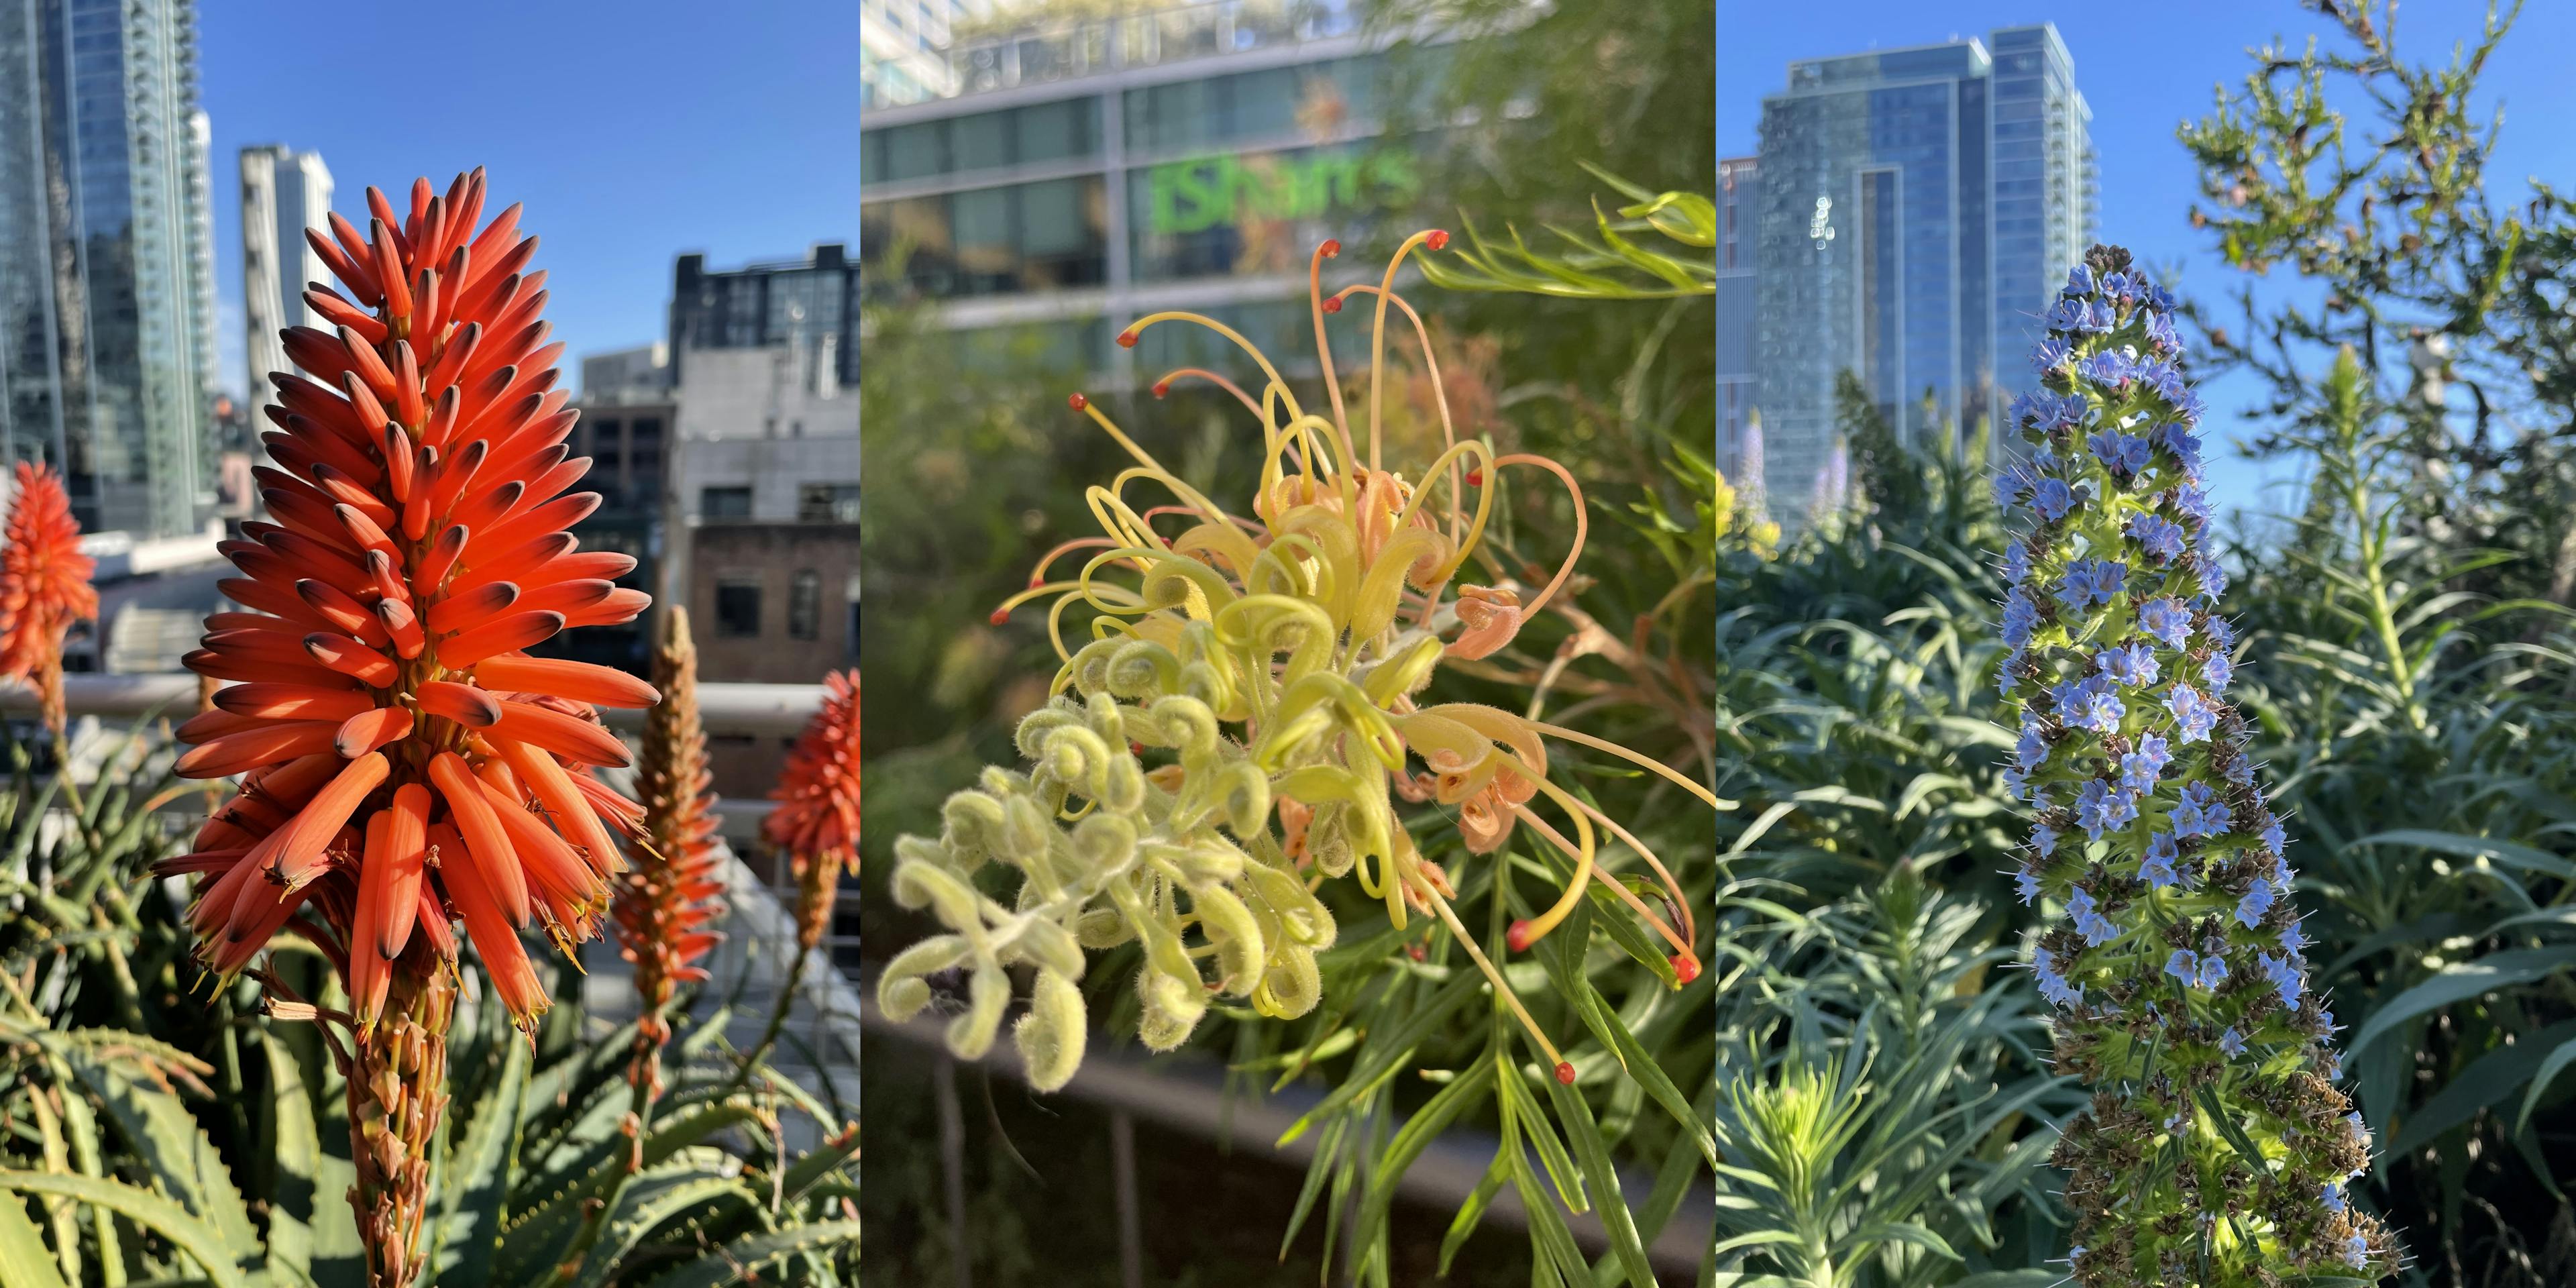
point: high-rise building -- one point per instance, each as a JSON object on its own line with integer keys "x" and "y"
{"x": 1737, "y": 208}
{"x": 1917, "y": 206}
{"x": 283, "y": 192}
{"x": 105, "y": 313}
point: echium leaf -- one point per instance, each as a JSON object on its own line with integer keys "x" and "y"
{"x": 2216, "y": 1149}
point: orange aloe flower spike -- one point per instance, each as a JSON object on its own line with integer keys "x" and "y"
{"x": 44, "y": 586}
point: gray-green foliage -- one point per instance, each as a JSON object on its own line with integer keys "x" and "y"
{"x": 160, "y": 1134}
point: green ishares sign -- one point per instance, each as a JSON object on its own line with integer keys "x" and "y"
{"x": 1213, "y": 192}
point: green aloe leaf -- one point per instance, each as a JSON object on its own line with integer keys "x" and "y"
{"x": 744, "y": 1260}
{"x": 478, "y": 1176}
{"x": 25, "y": 1262}
{"x": 200, "y": 1240}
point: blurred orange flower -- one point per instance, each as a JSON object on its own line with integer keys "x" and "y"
{"x": 44, "y": 586}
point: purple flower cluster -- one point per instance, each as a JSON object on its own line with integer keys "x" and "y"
{"x": 2177, "y": 972}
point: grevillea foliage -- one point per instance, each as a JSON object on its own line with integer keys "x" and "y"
{"x": 2216, "y": 1149}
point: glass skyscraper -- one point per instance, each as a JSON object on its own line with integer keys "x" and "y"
{"x": 1916, "y": 207}
{"x": 106, "y": 334}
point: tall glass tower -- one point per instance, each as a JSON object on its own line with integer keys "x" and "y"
{"x": 106, "y": 256}
{"x": 1916, "y": 207}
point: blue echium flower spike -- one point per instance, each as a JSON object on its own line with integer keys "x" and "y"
{"x": 2176, "y": 969}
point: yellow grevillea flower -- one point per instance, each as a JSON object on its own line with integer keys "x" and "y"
{"x": 1243, "y": 719}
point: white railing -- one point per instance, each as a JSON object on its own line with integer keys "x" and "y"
{"x": 1070, "y": 48}
{"x": 780, "y": 709}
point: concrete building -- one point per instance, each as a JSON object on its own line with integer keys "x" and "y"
{"x": 1916, "y": 207}
{"x": 764, "y": 513}
{"x": 1083, "y": 170}
{"x": 638, "y": 375}
{"x": 106, "y": 333}
{"x": 283, "y": 192}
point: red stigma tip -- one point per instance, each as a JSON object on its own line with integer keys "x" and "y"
{"x": 1077, "y": 402}
{"x": 1438, "y": 240}
{"x": 1685, "y": 967}
{"x": 1565, "y": 1072}
{"x": 1000, "y": 615}
{"x": 1332, "y": 247}
{"x": 1519, "y": 936}
{"x": 1162, "y": 387}
{"x": 1135, "y": 748}
{"x": 1332, "y": 304}
{"x": 1475, "y": 478}
{"x": 1127, "y": 339}
{"x": 1415, "y": 952}
{"x": 1036, "y": 581}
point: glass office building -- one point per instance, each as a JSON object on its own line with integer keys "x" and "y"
{"x": 809, "y": 305}
{"x": 1916, "y": 208}
{"x": 106, "y": 333}
{"x": 1189, "y": 158}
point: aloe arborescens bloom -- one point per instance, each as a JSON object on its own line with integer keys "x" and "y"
{"x": 405, "y": 762}
{"x": 44, "y": 586}
{"x": 816, "y": 823}
{"x": 1240, "y": 668}
{"x": 2217, "y": 1149}
{"x": 668, "y": 901}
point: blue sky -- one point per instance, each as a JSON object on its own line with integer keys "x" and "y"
{"x": 2145, "y": 69}
{"x": 633, "y": 131}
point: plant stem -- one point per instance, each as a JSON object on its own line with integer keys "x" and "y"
{"x": 777, "y": 1020}
{"x": 397, "y": 1098}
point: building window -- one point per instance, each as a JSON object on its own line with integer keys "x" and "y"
{"x": 827, "y": 503}
{"x": 805, "y": 605}
{"x": 738, "y": 607}
{"x": 724, "y": 503}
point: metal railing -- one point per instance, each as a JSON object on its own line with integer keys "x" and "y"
{"x": 779, "y": 709}
{"x": 1072, "y": 48}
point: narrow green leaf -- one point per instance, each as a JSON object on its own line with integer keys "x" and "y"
{"x": 25, "y": 1262}
{"x": 742, "y": 1261}
{"x": 2461, "y": 981}
{"x": 199, "y": 1240}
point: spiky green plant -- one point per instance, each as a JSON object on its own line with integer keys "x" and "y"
{"x": 177, "y": 1137}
